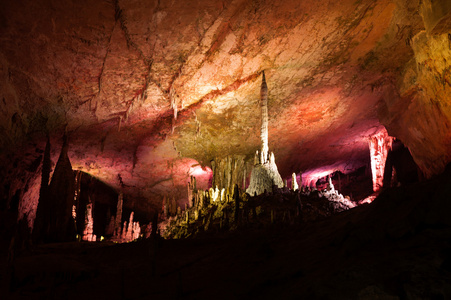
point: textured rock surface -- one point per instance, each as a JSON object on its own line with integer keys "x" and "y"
{"x": 395, "y": 248}
{"x": 263, "y": 177}
{"x": 115, "y": 74}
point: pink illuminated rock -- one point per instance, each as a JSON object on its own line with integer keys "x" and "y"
{"x": 379, "y": 144}
{"x": 151, "y": 92}
{"x": 88, "y": 233}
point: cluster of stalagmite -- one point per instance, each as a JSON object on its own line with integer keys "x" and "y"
{"x": 223, "y": 209}
{"x": 264, "y": 174}
{"x": 66, "y": 211}
{"x": 229, "y": 171}
{"x": 126, "y": 231}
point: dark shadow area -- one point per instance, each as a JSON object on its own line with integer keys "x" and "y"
{"x": 398, "y": 247}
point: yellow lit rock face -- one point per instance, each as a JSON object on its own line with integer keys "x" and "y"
{"x": 421, "y": 116}
{"x": 115, "y": 74}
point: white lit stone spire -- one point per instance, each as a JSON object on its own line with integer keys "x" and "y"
{"x": 264, "y": 175}
{"x": 264, "y": 129}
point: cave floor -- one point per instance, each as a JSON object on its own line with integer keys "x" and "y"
{"x": 398, "y": 247}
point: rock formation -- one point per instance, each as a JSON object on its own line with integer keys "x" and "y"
{"x": 294, "y": 183}
{"x": 379, "y": 144}
{"x": 339, "y": 68}
{"x": 214, "y": 213}
{"x": 118, "y": 219}
{"x": 264, "y": 173}
{"x": 88, "y": 233}
{"x": 54, "y": 222}
{"x": 229, "y": 171}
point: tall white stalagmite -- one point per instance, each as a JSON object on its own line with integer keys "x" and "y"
{"x": 294, "y": 183}
{"x": 264, "y": 175}
{"x": 264, "y": 129}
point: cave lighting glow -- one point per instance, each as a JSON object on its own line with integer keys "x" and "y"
{"x": 197, "y": 170}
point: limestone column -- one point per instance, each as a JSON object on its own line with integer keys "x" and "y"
{"x": 264, "y": 129}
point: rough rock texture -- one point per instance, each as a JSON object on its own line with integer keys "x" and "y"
{"x": 151, "y": 91}
{"x": 229, "y": 171}
{"x": 265, "y": 174}
{"x": 263, "y": 177}
{"x": 399, "y": 247}
{"x": 54, "y": 222}
{"x": 421, "y": 114}
{"x": 380, "y": 144}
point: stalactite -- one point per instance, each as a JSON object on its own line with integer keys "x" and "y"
{"x": 173, "y": 99}
{"x": 244, "y": 178}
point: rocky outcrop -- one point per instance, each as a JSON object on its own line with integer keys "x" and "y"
{"x": 54, "y": 221}
{"x": 421, "y": 115}
{"x": 163, "y": 86}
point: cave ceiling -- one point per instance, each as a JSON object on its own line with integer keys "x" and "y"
{"x": 150, "y": 91}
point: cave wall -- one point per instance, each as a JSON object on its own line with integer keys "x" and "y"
{"x": 117, "y": 74}
{"x": 419, "y": 111}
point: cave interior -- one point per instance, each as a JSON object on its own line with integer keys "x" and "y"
{"x": 225, "y": 149}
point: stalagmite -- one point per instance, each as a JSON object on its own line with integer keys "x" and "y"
{"x": 129, "y": 233}
{"x": 191, "y": 191}
{"x": 54, "y": 215}
{"x": 264, "y": 128}
{"x": 228, "y": 171}
{"x": 331, "y": 186}
{"x": 136, "y": 230}
{"x": 39, "y": 229}
{"x": 223, "y": 195}
{"x": 265, "y": 174}
{"x": 117, "y": 227}
{"x": 88, "y": 233}
{"x": 379, "y": 145}
{"x": 164, "y": 208}
{"x": 294, "y": 184}
{"x": 110, "y": 228}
